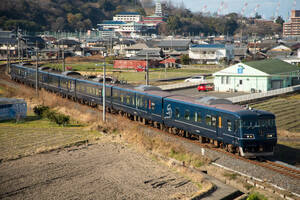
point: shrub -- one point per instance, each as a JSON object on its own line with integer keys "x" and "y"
{"x": 61, "y": 119}
{"x": 40, "y": 110}
{"x": 256, "y": 196}
{"x": 57, "y": 118}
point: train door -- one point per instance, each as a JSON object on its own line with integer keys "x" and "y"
{"x": 219, "y": 127}
{"x": 71, "y": 85}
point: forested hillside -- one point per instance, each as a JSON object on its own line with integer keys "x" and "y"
{"x": 70, "y": 15}
{"x": 81, "y": 15}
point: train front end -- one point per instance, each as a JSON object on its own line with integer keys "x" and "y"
{"x": 258, "y": 135}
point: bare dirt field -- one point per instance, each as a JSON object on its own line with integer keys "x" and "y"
{"x": 102, "y": 171}
{"x": 97, "y": 169}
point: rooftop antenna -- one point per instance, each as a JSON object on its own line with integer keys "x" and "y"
{"x": 277, "y": 10}
{"x": 244, "y": 8}
{"x": 204, "y": 8}
{"x": 255, "y": 10}
{"x": 220, "y": 8}
{"x": 295, "y": 3}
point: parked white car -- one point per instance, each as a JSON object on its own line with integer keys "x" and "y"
{"x": 195, "y": 79}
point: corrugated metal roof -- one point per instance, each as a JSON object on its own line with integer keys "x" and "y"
{"x": 272, "y": 66}
{"x": 8, "y": 41}
{"x": 216, "y": 46}
{"x": 4, "y": 101}
{"x": 174, "y": 43}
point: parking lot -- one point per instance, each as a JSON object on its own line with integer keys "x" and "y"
{"x": 193, "y": 92}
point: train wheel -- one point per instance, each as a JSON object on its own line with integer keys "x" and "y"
{"x": 230, "y": 148}
{"x": 144, "y": 121}
{"x": 161, "y": 126}
{"x": 216, "y": 143}
{"x": 202, "y": 139}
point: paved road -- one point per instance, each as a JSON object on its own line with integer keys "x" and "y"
{"x": 193, "y": 92}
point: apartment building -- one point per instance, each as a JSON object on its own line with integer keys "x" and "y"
{"x": 292, "y": 28}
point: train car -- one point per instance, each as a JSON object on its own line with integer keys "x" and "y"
{"x": 252, "y": 133}
{"x": 143, "y": 101}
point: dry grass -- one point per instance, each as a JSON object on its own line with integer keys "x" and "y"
{"x": 40, "y": 136}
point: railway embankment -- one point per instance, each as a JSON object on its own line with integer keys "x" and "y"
{"x": 188, "y": 153}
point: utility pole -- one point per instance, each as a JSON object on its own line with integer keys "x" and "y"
{"x": 63, "y": 57}
{"x": 165, "y": 69}
{"x": 18, "y": 32}
{"x": 147, "y": 70}
{"x": 104, "y": 88}
{"x": 37, "y": 71}
{"x": 7, "y": 62}
{"x": 254, "y": 46}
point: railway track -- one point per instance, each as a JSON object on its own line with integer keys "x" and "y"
{"x": 278, "y": 168}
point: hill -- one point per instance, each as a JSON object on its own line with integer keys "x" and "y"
{"x": 55, "y": 15}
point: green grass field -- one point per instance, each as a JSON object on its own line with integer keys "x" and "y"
{"x": 131, "y": 76}
{"x": 35, "y": 135}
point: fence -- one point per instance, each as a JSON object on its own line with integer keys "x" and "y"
{"x": 271, "y": 93}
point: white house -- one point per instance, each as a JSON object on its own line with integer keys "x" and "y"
{"x": 134, "y": 49}
{"x": 210, "y": 53}
{"x": 256, "y": 76}
{"x": 128, "y": 17}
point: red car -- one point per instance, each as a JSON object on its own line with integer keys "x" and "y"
{"x": 205, "y": 87}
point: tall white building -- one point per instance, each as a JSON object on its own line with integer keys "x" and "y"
{"x": 158, "y": 9}
{"x": 128, "y": 17}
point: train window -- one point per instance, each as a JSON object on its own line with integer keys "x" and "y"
{"x": 197, "y": 117}
{"x": 146, "y": 103}
{"x": 208, "y": 120}
{"x": 132, "y": 101}
{"x": 128, "y": 99}
{"x": 187, "y": 115}
{"x": 177, "y": 113}
{"x": 214, "y": 121}
{"x": 122, "y": 98}
{"x": 236, "y": 125}
{"x": 229, "y": 125}
{"x": 220, "y": 122}
{"x": 137, "y": 100}
{"x": 152, "y": 105}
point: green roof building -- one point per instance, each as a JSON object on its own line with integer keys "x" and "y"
{"x": 257, "y": 76}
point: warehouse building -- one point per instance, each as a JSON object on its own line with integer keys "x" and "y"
{"x": 257, "y": 76}
{"x": 12, "y": 109}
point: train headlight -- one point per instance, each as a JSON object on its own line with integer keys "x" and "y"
{"x": 269, "y": 135}
{"x": 249, "y": 136}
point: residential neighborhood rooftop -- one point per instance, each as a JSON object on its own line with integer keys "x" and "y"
{"x": 272, "y": 66}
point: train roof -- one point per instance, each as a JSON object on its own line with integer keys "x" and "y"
{"x": 222, "y": 104}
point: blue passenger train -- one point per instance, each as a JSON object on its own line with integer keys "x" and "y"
{"x": 250, "y": 133}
